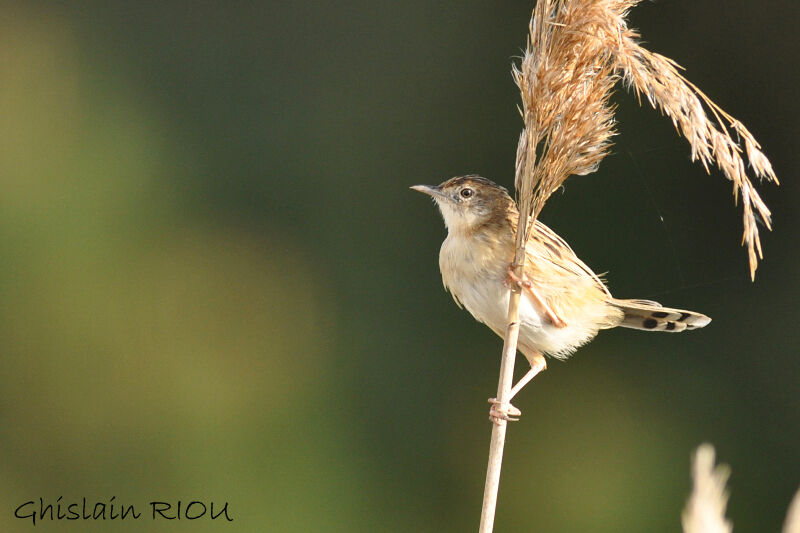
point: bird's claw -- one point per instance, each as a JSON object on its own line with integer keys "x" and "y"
{"x": 505, "y": 412}
{"x": 512, "y": 279}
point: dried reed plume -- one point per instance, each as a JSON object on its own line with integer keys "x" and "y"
{"x": 705, "y": 510}
{"x": 792, "y": 523}
{"x": 566, "y": 79}
{"x": 577, "y": 50}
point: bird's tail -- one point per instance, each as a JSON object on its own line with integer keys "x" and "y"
{"x": 652, "y": 316}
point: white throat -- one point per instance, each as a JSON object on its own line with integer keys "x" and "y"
{"x": 457, "y": 220}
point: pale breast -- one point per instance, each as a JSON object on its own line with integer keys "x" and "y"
{"x": 474, "y": 269}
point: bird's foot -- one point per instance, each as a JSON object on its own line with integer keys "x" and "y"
{"x": 527, "y": 286}
{"x": 512, "y": 279}
{"x": 500, "y": 411}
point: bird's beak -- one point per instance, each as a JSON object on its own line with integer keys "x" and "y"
{"x": 430, "y": 190}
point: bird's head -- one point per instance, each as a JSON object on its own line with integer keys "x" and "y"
{"x": 469, "y": 202}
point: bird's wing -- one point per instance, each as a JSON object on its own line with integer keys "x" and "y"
{"x": 546, "y": 247}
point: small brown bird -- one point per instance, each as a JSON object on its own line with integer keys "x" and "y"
{"x": 564, "y": 304}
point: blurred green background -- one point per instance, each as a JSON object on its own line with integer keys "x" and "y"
{"x": 216, "y": 285}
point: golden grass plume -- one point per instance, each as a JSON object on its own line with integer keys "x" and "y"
{"x": 577, "y": 50}
{"x": 705, "y": 510}
{"x": 792, "y": 523}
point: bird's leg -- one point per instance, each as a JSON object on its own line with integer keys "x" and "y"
{"x": 537, "y": 365}
{"x": 498, "y": 412}
{"x": 528, "y": 286}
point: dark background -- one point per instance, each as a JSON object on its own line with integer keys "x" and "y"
{"x": 216, "y": 285}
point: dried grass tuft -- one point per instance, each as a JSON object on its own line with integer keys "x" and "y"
{"x": 566, "y": 79}
{"x": 792, "y": 523}
{"x": 577, "y": 51}
{"x": 705, "y": 510}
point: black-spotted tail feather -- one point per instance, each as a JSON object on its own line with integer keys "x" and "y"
{"x": 652, "y": 316}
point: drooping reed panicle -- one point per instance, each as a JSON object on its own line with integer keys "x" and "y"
{"x": 577, "y": 51}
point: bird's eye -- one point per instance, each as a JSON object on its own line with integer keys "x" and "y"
{"x": 467, "y": 192}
